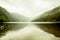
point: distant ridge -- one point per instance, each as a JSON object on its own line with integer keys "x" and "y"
{"x": 11, "y": 17}
{"x": 50, "y": 16}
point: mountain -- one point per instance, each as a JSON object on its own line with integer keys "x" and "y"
{"x": 11, "y": 17}
{"x": 6, "y": 16}
{"x": 50, "y": 16}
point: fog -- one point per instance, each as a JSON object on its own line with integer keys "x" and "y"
{"x": 30, "y": 9}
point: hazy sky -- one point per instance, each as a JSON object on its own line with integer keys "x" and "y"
{"x": 29, "y": 8}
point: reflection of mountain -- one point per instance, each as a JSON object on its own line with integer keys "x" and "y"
{"x": 50, "y": 16}
{"x": 5, "y": 16}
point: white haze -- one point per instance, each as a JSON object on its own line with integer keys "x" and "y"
{"x": 30, "y": 9}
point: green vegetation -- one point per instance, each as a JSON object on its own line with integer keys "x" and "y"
{"x": 6, "y": 16}
{"x": 50, "y": 16}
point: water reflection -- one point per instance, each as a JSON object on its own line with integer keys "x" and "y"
{"x": 28, "y": 32}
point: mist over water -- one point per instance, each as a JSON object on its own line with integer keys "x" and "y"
{"x": 29, "y": 32}
{"x": 30, "y": 9}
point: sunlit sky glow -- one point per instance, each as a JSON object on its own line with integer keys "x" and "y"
{"x": 29, "y": 8}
